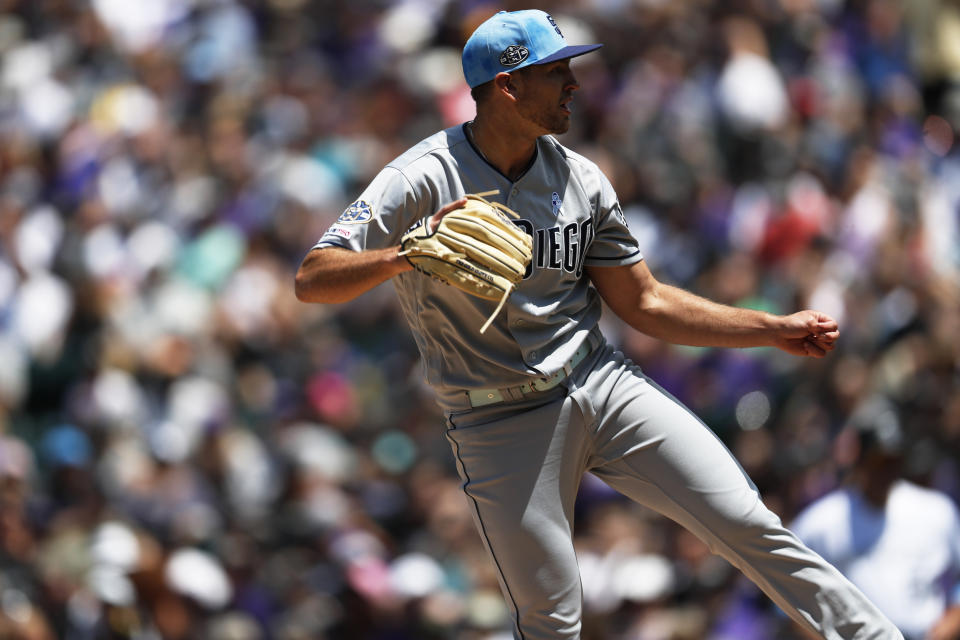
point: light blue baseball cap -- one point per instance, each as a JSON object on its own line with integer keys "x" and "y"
{"x": 512, "y": 40}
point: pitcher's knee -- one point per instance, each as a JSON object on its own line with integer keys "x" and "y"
{"x": 739, "y": 519}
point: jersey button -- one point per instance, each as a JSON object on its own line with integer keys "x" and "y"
{"x": 533, "y": 354}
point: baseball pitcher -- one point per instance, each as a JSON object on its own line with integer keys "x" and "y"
{"x": 507, "y": 325}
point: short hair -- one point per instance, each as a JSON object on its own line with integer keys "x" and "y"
{"x": 481, "y": 91}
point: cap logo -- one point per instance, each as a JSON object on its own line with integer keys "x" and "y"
{"x": 514, "y": 55}
{"x": 554, "y": 23}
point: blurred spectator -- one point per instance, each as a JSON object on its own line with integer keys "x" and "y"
{"x": 899, "y": 542}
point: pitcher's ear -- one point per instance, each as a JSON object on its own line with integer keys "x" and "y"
{"x": 505, "y": 83}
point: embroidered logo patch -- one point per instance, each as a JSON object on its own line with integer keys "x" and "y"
{"x": 556, "y": 202}
{"x": 514, "y": 55}
{"x": 337, "y": 230}
{"x": 357, "y": 213}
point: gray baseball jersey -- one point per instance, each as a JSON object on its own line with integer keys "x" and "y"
{"x": 567, "y": 205}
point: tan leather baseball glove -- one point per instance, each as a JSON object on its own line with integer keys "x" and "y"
{"x": 476, "y": 249}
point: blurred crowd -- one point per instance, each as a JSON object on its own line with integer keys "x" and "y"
{"x": 188, "y": 452}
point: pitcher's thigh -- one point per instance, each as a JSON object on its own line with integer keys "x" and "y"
{"x": 657, "y": 452}
{"x": 520, "y": 475}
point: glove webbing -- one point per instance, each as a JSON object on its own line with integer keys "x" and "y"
{"x": 505, "y": 210}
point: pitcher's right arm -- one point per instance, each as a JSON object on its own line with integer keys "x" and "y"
{"x": 332, "y": 275}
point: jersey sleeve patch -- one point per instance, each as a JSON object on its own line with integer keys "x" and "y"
{"x": 343, "y": 232}
{"x": 357, "y": 213}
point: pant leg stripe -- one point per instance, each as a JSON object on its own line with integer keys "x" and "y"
{"x": 483, "y": 533}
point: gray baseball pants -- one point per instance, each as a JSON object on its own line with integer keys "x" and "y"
{"x": 521, "y": 465}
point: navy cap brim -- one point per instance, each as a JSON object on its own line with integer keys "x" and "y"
{"x": 571, "y": 51}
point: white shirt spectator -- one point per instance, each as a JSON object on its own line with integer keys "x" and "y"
{"x": 905, "y": 558}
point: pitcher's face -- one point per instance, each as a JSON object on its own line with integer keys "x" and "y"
{"x": 544, "y": 92}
